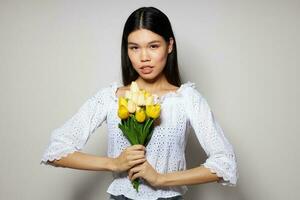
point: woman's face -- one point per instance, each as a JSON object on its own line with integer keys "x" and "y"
{"x": 148, "y": 52}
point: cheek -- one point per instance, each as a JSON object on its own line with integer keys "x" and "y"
{"x": 159, "y": 57}
{"x": 133, "y": 58}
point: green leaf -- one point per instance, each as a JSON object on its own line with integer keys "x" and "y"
{"x": 150, "y": 123}
{"x": 128, "y": 132}
{"x": 136, "y": 183}
{"x": 136, "y": 132}
{"x": 150, "y": 127}
{"x": 143, "y": 132}
{"x": 145, "y": 125}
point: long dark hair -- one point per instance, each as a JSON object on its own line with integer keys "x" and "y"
{"x": 152, "y": 19}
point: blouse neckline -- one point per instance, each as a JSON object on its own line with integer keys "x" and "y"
{"x": 115, "y": 85}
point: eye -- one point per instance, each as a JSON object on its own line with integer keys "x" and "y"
{"x": 154, "y": 46}
{"x": 133, "y": 47}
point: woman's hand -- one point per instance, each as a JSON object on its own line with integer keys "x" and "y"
{"x": 129, "y": 157}
{"x": 147, "y": 172}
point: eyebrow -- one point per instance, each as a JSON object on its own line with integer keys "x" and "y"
{"x": 154, "y": 41}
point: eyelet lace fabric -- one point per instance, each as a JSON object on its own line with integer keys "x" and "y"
{"x": 181, "y": 110}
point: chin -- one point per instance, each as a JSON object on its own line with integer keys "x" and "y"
{"x": 147, "y": 76}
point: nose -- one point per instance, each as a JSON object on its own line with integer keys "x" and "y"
{"x": 144, "y": 55}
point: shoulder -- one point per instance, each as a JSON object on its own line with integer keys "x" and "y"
{"x": 170, "y": 88}
{"x": 194, "y": 101}
{"x": 193, "y": 97}
{"x": 190, "y": 90}
{"x": 107, "y": 91}
{"x": 120, "y": 91}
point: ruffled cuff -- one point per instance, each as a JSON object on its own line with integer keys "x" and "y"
{"x": 49, "y": 157}
{"x": 227, "y": 172}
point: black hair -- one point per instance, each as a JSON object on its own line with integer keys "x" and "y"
{"x": 152, "y": 19}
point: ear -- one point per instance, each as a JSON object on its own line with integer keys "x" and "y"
{"x": 170, "y": 46}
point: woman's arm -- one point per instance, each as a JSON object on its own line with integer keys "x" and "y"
{"x": 221, "y": 157}
{"x": 80, "y": 160}
{"x": 192, "y": 176}
{"x": 75, "y": 132}
{"x": 128, "y": 158}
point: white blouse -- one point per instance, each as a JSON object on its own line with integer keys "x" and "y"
{"x": 181, "y": 110}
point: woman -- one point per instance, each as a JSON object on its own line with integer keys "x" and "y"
{"x": 149, "y": 57}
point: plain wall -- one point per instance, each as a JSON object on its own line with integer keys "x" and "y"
{"x": 242, "y": 55}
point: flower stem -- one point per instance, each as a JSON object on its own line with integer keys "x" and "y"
{"x": 136, "y": 183}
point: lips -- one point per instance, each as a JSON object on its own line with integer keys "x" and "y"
{"x": 146, "y": 66}
{"x": 146, "y": 69}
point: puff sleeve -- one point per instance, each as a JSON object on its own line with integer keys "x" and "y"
{"x": 221, "y": 158}
{"x": 75, "y": 132}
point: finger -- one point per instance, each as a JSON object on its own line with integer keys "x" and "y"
{"x": 131, "y": 154}
{"x": 138, "y": 147}
{"x": 133, "y": 170}
{"x": 136, "y": 157}
{"x": 136, "y": 175}
{"x": 130, "y": 174}
{"x": 137, "y": 162}
{"x": 136, "y": 152}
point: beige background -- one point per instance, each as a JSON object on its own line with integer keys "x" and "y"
{"x": 243, "y": 56}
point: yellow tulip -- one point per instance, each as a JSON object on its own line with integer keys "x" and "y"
{"x": 131, "y": 106}
{"x": 141, "y": 100}
{"x": 153, "y": 111}
{"x": 128, "y": 94}
{"x": 149, "y": 100}
{"x": 147, "y": 94}
{"x": 140, "y": 115}
{"x": 134, "y": 87}
{"x": 135, "y": 97}
{"x": 138, "y": 108}
{"x": 122, "y": 101}
{"x": 123, "y": 112}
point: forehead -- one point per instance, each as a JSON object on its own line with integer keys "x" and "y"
{"x": 143, "y": 36}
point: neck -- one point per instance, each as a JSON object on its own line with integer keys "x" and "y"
{"x": 152, "y": 85}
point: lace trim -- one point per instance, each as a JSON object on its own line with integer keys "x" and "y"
{"x": 115, "y": 85}
{"x": 227, "y": 180}
{"x": 57, "y": 156}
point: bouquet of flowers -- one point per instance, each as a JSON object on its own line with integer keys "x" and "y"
{"x": 137, "y": 111}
